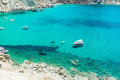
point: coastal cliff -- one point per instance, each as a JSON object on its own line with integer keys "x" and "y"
{"x": 116, "y": 2}
{"x": 17, "y": 5}
{"x": 23, "y": 5}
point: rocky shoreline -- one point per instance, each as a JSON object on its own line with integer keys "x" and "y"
{"x": 7, "y": 6}
{"x": 40, "y": 71}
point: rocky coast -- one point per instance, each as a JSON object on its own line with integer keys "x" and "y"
{"x": 25, "y": 5}
{"x": 40, "y": 71}
{"x": 22, "y": 5}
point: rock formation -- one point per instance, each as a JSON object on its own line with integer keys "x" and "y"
{"x": 40, "y": 71}
{"x": 89, "y": 1}
{"x": 17, "y": 5}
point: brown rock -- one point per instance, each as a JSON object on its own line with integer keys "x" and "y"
{"x": 6, "y": 56}
{"x": 1, "y": 57}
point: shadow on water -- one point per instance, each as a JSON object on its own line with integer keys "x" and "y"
{"x": 30, "y": 47}
{"x": 51, "y": 56}
{"x": 85, "y": 22}
{"x": 91, "y": 23}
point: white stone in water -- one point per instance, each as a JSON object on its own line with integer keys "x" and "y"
{"x": 109, "y": 78}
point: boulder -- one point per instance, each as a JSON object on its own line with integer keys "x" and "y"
{"x": 4, "y": 60}
{"x": 5, "y": 1}
{"x": 43, "y": 65}
{"x": 6, "y": 56}
{"x": 42, "y": 53}
{"x": 109, "y": 78}
{"x": 61, "y": 72}
{"x": 1, "y": 54}
{"x": 1, "y": 57}
{"x": 74, "y": 63}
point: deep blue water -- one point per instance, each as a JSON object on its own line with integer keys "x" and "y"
{"x": 97, "y": 25}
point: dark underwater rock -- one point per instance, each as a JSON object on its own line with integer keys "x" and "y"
{"x": 53, "y": 42}
{"x": 42, "y": 53}
{"x": 34, "y": 10}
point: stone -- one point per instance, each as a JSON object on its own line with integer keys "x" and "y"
{"x": 43, "y": 65}
{"x": 61, "y": 68}
{"x": 6, "y": 56}
{"x": 5, "y": 1}
{"x": 109, "y": 78}
{"x": 27, "y": 62}
{"x": 4, "y": 60}
{"x": 42, "y": 54}
{"x": 1, "y": 57}
{"x": 74, "y": 63}
{"x": 1, "y": 54}
{"x": 0, "y": 65}
{"x": 77, "y": 61}
{"x": 61, "y": 72}
{"x": 21, "y": 71}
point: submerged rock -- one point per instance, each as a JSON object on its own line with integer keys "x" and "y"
{"x": 75, "y": 63}
{"x": 53, "y": 42}
{"x": 109, "y": 78}
{"x": 42, "y": 53}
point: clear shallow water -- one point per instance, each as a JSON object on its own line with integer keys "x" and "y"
{"x": 97, "y": 25}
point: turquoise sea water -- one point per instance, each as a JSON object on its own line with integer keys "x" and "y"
{"x": 97, "y": 25}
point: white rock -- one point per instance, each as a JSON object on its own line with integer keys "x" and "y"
{"x": 1, "y": 54}
{"x": 43, "y": 65}
{"x": 109, "y": 78}
{"x": 5, "y": 1}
